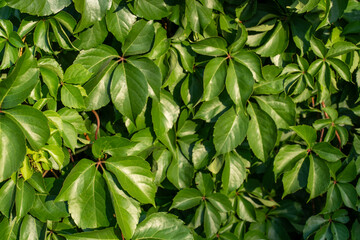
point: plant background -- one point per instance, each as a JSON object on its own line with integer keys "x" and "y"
{"x": 196, "y": 119}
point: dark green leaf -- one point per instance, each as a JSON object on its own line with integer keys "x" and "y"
{"x": 306, "y": 132}
{"x": 180, "y": 172}
{"x": 24, "y": 198}
{"x": 186, "y": 198}
{"x": 104, "y": 234}
{"x": 40, "y": 8}
{"x": 328, "y": 152}
{"x": 319, "y": 177}
{"x": 215, "y": 46}
{"x": 212, "y": 220}
{"x": 151, "y": 9}
{"x": 7, "y": 196}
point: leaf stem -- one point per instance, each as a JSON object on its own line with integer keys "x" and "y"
{"x": 97, "y": 123}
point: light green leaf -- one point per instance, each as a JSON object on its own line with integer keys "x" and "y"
{"x": 162, "y": 226}
{"x": 91, "y": 12}
{"x": 239, "y": 83}
{"x": 341, "y": 68}
{"x": 251, "y": 61}
{"x": 20, "y": 81}
{"x": 31, "y": 229}
{"x": 287, "y": 157}
{"x": 41, "y": 36}
{"x": 134, "y": 175}
{"x": 119, "y": 21}
{"x": 113, "y": 145}
{"x": 104, "y": 234}
{"x": 139, "y": 39}
{"x": 348, "y": 194}
{"x": 212, "y": 220}
{"x": 164, "y": 113}
{"x": 215, "y": 46}
{"x": 73, "y": 117}
{"x": 152, "y": 74}
{"x": 307, "y": 133}
{"x": 245, "y": 210}
{"x": 161, "y": 43}
{"x": 340, "y": 48}
{"x": 92, "y": 36}
{"x": 277, "y": 42}
{"x": 151, "y": 9}
{"x": 127, "y": 210}
{"x": 129, "y": 90}
{"x": 88, "y": 209}
{"x": 162, "y": 159}
{"x": 45, "y": 208}
{"x": 234, "y": 172}
{"x": 220, "y": 201}
{"x": 186, "y": 198}
{"x": 33, "y": 124}
{"x": 214, "y": 78}
{"x": 318, "y": 47}
{"x": 295, "y": 178}
{"x": 261, "y": 132}
{"x": 198, "y": 16}
{"x": 69, "y": 135}
{"x": 204, "y": 183}
{"x": 7, "y": 195}
{"x": 180, "y": 172}
{"x": 9, "y": 228}
{"x": 77, "y": 181}
{"x": 76, "y": 74}
{"x": 71, "y": 97}
{"x": 24, "y": 198}
{"x": 230, "y": 130}
{"x": 40, "y": 8}
{"x": 56, "y": 153}
{"x": 327, "y": 152}
{"x": 319, "y": 177}
{"x": 186, "y": 55}
{"x": 12, "y": 147}
{"x": 210, "y": 111}
{"x": 51, "y": 80}
{"x": 282, "y": 109}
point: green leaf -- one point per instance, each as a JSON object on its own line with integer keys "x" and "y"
{"x": 40, "y": 8}
{"x": 119, "y": 21}
{"x": 134, "y": 176}
{"x": 7, "y": 195}
{"x": 348, "y": 174}
{"x": 96, "y": 59}
{"x": 151, "y": 9}
{"x": 41, "y": 36}
{"x": 51, "y": 80}
{"x": 69, "y": 135}
{"x": 113, "y": 145}
{"x": 164, "y": 113}
{"x": 127, "y": 210}
{"x": 162, "y": 159}
{"x": 355, "y": 230}
{"x": 12, "y": 147}
{"x": 161, "y": 43}
{"x": 88, "y": 209}
{"x": 139, "y": 39}
{"x": 71, "y": 96}
{"x": 339, "y": 231}
{"x": 56, "y": 153}
{"x": 239, "y": 83}
{"x": 340, "y": 48}
{"x": 91, "y": 12}
{"x": 326, "y": 151}
{"x": 77, "y": 181}
{"x": 319, "y": 177}
{"x": 230, "y": 130}
{"x": 162, "y": 226}
{"x": 31, "y": 228}
{"x": 282, "y": 109}
{"x": 186, "y": 56}
{"x": 204, "y": 183}
{"x": 220, "y": 201}
{"x": 240, "y": 39}
{"x": 33, "y": 124}
{"x": 47, "y": 209}
{"x": 333, "y": 199}
{"x": 104, "y": 234}
{"x": 277, "y": 42}
{"x": 234, "y": 172}
{"x": 76, "y": 74}
{"x": 251, "y": 61}
{"x": 245, "y": 210}
{"x": 210, "y": 111}
{"x": 348, "y": 194}
{"x": 186, "y": 198}
{"x": 261, "y": 132}
{"x": 198, "y": 16}
{"x": 19, "y": 82}
{"x": 318, "y": 47}
{"x": 212, "y": 220}
{"x": 341, "y": 68}
{"x": 307, "y": 133}
{"x": 9, "y": 228}
{"x": 180, "y": 172}
{"x": 24, "y": 198}
{"x": 313, "y": 224}
{"x": 152, "y": 74}
{"x": 295, "y": 178}
{"x": 73, "y": 117}
{"x": 92, "y": 37}
{"x": 215, "y": 46}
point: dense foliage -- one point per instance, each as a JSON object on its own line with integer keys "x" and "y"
{"x": 196, "y": 119}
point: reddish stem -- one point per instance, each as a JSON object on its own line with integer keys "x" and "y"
{"x": 313, "y": 102}
{"x": 87, "y": 137}
{"x": 97, "y": 122}
{"x": 71, "y": 156}
{"x": 338, "y": 138}
{"x": 122, "y": 236}
{"x": 44, "y": 174}
{"x": 56, "y": 176}
{"x": 322, "y": 134}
